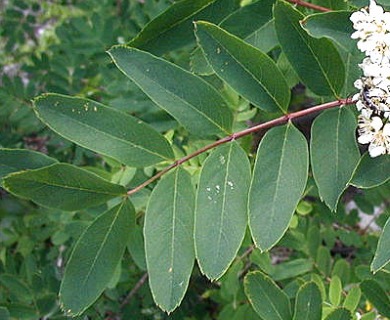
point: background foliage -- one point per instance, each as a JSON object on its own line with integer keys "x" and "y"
{"x": 331, "y": 231}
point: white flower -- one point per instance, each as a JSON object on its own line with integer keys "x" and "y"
{"x": 372, "y": 131}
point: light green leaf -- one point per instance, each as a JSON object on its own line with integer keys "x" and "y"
{"x": 246, "y": 69}
{"x": 192, "y": 101}
{"x": 278, "y": 182}
{"x": 377, "y": 296}
{"x": 13, "y": 160}
{"x": 62, "y": 186}
{"x": 308, "y": 303}
{"x": 103, "y": 130}
{"x": 268, "y": 300}
{"x": 169, "y": 243}
{"x": 371, "y": 172}
{"x": 334, "y": 153}
{"x": 352, "y": 299}
{"x": 221, "y": 209}
{"x": 291, "y": 269}
{"x": 339, "y": 314}
{"x": 95, "y": 257}
{"x": 335, "y": 291}
{"x": 382, "y": 253}
{"x": 316, "y": 61}
{"x": 173, "y": 28}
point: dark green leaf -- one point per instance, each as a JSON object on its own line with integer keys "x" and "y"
{"x": 221, "y": 210}
{"x": 339, "y": 314}
{"x": 246, "y": 69}
{"x": 136, "y": 247}
{"x": 4, "y": 314}
{"x": 62, "y": 186}
{"x": 334, "y": 25}
{"x": 371, "y": 172}
{"x": 308, "y": 303}
{"x": 188, "y": 98}
{"x": 291, "y": 269}
{"x": 169, "y": 243}
{"x": 16, "y": 287}
{"x": 382, "y": 254}
{"x": 377, "y": 296}
{"x": 95, "y": 257}
{"x": 278, "y": 182}
{"x": 334, "y": 153}
{"x": 316, "y": 61}
{"x": 13, "y": 160}
{"x": 173, "y": 28}
{"x": 268, "y": 300}
{"x": 103, "y": 129}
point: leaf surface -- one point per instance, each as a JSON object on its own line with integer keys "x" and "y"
{"x": 268, "y": 300}
{"x": 377, "y": 296}
{"x": 192, "y": 101}
{"x": 173, "y": 28}
{"x": 382, "y": 253}
{"x": 246, "y": 69}
{"x": 169, "y": 244}
{"x": 103, "y": 129}
{"x": 221, "y": 209}
{"x": 95, "y": 257}
{"x": 62, "y": 186}
{"x": 371, "y": 172}
{"x": 339, "y": 314}
{"x": 334, "y": 153}
{"x": 308, "y": 302}
{"x": 316, "y": 61}
{"x": 278, "y": 182}
{"x": 13, "y": 160}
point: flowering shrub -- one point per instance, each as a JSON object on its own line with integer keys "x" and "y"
{"x": 373, "y": 31}
{"x": 208, "y": 163}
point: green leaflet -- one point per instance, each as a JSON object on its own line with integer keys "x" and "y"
{"x": 278, "y": 182}
{"x": 336, "y": 26}
{"x": 95, "y": 258}
{"x": 334, "y": 153}
{"x": 352, "y": 299}
{"x": 382, "y": 253}
{"x": 13, "y": 160}
{"x": 192, "y": 101}
{"x": 371, "y": 172}
{"x": 377, "y": 296}
{"x": 17, "y": 287}
{"x": 308, "y": 302}
{"x": 268, "y": 300}
{"x": 221, "y": 209}
{"x": 316, "y": 61}
{"x": 62, "y": 186}
{"x": 339, "y": 314}
{"x": 103, "y": 129}
{"x": 246, "y": 69}
{"x": 335, "y": 290}
{"x": 169, "y": 244}
{"x": 173, "y": 28}
{"x": 4, "y": 313}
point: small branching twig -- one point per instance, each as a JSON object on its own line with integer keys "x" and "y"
{"x": 135, "y": 289}
{"x": 309, "y": 5}
{"x": 266, "y": 125}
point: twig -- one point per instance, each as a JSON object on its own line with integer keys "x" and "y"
{"x": 309, "y": 5}
{"x": 275, "y": 122}
{"x": 133, "y": 291}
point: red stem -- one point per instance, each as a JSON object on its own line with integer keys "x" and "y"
{"x": 309, "y": 5}
{"x": 275, "y": 122}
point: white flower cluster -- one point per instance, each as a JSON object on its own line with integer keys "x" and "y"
{"x": 372, "y": 27}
